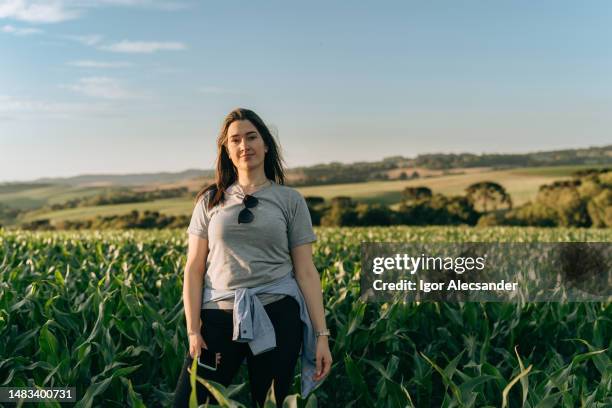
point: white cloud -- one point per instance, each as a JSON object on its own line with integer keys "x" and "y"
{"x": 20, "y": 31}
{"x": 151, "y": 4}
{"x": 56, "y": 11}
{"x": 23, "y": 108}
{"x": 99, "y": 64}
{"x": 53, "y": 11}
{"x": 143, "y": 47}
{"x": 101, "y": 87}
{"x": 89, "y": 40}
{"x": 126, "y": 46}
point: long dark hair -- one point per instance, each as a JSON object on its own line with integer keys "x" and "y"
{"x": 226, "y": 174}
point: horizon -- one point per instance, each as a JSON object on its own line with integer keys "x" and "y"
{"x": 79, "y": 97}
{"x": 288, "y": 167}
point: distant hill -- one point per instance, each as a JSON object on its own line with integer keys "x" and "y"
{"x": 521, "y": 183}
{"x": 137, "y": 179}
{"x": 567, "y": 157}
{"x": 390, "y": 168}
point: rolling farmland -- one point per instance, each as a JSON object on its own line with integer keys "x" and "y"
{"x": 522, "y": 184}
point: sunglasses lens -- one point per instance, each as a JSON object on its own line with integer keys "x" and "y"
{"x": 245, "y": 216}
{"x": 250, "y": 201}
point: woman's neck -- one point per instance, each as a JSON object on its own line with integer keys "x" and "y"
{"x": 252, "y": 180}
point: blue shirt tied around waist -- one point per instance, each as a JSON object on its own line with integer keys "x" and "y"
{"x": 252, "y": 324}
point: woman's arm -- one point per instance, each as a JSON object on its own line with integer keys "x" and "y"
{"x": 309, "y": 282}
{"x": 195, "y": 268}
{"x": 308, "y": 279}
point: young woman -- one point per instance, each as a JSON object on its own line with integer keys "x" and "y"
{"x": 251, "y": 290}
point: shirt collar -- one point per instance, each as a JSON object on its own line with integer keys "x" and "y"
{"x": 235, "y": 189}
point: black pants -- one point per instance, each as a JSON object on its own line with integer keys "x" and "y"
{"x": 278, "y": 363}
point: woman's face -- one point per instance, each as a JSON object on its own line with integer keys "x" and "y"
{"x": 245, "y": 146}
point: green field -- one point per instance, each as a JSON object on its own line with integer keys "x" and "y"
{"x": 35, "y": 197}
{"x": 522, "y": 184}
{"x": 102, "y": 311}
{"x": 521, "y": 187}
{"x": 556, "y": 171}
{"x": 170, "y": 206}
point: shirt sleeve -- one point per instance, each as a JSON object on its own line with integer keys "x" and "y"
{"x": 300, "y": 225}
{"x": 199, "y": 218}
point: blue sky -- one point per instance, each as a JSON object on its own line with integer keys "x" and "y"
{"x": 123, "y": 86}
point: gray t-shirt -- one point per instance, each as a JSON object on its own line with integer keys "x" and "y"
{"x": 256, "y": 253}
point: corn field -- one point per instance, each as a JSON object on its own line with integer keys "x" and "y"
{"x": 103, "y": 312}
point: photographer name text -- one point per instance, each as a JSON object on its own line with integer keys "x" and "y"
{"x": 422, "y": 263}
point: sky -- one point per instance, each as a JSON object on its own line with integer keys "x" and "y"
{"x": 135, "y": 86}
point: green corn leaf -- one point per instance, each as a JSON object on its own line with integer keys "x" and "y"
{"x": 506, "y": 390}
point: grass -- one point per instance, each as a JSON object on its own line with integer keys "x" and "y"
{"x": 521, "y": 187}
{"x": 556, "y": 171}
{"x": 35, "y": 197}
{"x": 169, "y": 206}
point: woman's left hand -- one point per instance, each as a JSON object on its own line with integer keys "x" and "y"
{"x": 323, "y": 358}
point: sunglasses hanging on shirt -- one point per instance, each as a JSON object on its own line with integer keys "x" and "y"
{"x": 246, "y": 216}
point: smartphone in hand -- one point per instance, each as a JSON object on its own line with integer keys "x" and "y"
{"x": 208, "y": 359}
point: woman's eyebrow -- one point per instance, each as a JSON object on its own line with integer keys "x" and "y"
{"x": 248, "y": 133}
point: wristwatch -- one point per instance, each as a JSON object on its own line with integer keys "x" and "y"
{"x": 322, "y": 333}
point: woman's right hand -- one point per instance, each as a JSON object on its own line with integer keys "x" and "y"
{"x": 196, "y": 342}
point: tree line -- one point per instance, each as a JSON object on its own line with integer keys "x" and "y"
{"x": 336, "y": 172}
{"x": 583, "y": 201}
{"x": 122, "y": 196}
{"x": 134, "y": 219}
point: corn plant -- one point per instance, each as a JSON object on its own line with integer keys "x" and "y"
{"x": 102, "y": 312}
